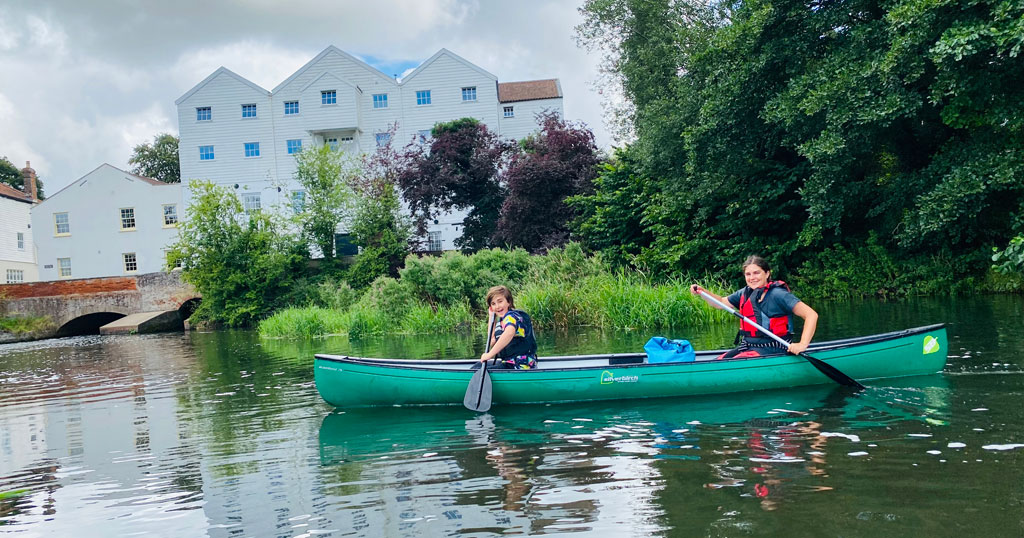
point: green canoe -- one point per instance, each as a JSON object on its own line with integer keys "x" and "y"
{"x": 362, "y": 382}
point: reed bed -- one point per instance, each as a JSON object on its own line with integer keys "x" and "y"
{"x": 444, "y": 294}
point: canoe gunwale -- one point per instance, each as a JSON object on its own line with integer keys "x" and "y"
{"x": 451, "y": 365}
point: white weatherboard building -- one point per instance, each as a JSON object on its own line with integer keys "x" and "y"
{"x": 235, "y": 133}
{"x": 107, "y": 223}
{"x": 17, "y": 252}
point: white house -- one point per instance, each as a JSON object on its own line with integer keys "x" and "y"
{"x": 17, "y": 257}
{"x": 238, "y": 134}
{"x": 107, "y": 223}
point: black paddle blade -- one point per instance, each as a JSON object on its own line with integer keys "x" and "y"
{"x": 833, "y": 373}
{"x": 478, "y": 393}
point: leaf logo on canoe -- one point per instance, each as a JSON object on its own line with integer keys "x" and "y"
{"x": 607, "y": 378}
{"x": 931, "y": 344}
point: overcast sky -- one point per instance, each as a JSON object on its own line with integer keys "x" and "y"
{"x": 84, "y": 81}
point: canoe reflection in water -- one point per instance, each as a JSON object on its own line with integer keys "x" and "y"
{"x": 572, "y": 467}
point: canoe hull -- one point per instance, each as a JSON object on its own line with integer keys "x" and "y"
{"x": 352, "y": 382}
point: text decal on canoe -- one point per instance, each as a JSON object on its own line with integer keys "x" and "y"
{"x": 608, "y": 378}
{"x": 931, "y": 345}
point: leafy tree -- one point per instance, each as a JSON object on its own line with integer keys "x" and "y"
{"x": 324, "y": 175}
{"x": 379, "y": 227}
{"x": 11, "y": 175}
{"x": 459, "y": 170}
{"x": 559, "y": 161}
{"x": 243, "y": 265}
{"x": 785, "y": 128}
{"x": 158, "y": 160}
{"x": 612, "y": 219}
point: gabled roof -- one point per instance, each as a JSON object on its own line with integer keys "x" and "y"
{"x": 127, "y": 175}
{"x": 452, "y": 55}
{"x": 8, "y": 191}
{"x": 529, "y": 90}
{"x": 220, "y": 71}
{"x": 327, "y": 74}
{"x": 335, "y": 50}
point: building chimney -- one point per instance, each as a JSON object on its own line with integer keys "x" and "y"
{"x": 28, "y": 177}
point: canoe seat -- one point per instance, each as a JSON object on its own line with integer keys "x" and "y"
{"x": 625, "y": 360}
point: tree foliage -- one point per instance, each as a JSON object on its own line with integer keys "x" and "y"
{"x": 243, "y": 265}
{"x": 558, "y": 161}
{"x": 158, "y": 160}
{"x": 379, "y": 226}
{"x": 458, "y": 170}
{"x": 11, "y": 175}
{"x": 784, "y": 127}
{"x": 325, "y": 176}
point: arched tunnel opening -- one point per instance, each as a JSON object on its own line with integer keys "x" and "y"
{"x": 188, "y": 307}
{"x": 88, "y": 324}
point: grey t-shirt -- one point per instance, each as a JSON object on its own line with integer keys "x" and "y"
{"x": 778, "y": 302}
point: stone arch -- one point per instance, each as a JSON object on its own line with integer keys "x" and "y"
{"x": 88, "y": 323}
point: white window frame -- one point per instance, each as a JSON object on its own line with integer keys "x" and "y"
{"x": 170, "y": 217}
{"x": 469, "y": 94}
{"x": 21, "y": 240}
{"x": 57, "y": 223}
{"x": 286, "y": 103}
{"x": 60, "y": 267}
{"x": 380, "y": 100}
{"x": 423, "y": 98}
{"x": 289, "y": 147}
{"x": 209, "y": 113}
{"x": 251, "y": 150}
{"x": 130, "y": 262}
{"x": 298, "y": 199}
{"x": 434, "y": 242}
{"x": 15, "y": 276}
{"x": 246, "y": 108}
{"x": 328, "y": 97}
{"x": 382, "y": 139}
{"x": 251, "y": 201}
{"x": 508, "y": 112}
{"x": 127, "y": 219}
{"x": 332, "y": 143}
{"x": 202, "y": 154}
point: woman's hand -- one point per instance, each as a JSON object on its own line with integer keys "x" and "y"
{"x": 696, "y": 289}
{"x": 797, "y": 348}
{"x": 486, "y": 357}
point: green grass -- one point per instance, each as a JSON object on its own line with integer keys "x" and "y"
{"x": 25, "y": 324}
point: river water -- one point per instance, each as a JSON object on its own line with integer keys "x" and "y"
{"x": 223, "y": 434}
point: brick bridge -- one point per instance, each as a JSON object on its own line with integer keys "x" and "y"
{"x": 82, "y": 306}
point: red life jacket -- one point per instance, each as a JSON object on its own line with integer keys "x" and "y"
{"x": 778, "y": 325}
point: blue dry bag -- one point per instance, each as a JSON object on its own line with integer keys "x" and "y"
{"x": 661, "y": 349}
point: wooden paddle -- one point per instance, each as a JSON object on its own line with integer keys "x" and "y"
{"x": 478, "y": 393}
{"x": 822, "y": 366}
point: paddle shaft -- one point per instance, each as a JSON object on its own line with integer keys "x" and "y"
{"x": 825, "y": 368}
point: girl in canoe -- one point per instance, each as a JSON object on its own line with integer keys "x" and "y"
{"x": 512, "y": 340}
{"x": 770, "y": 304}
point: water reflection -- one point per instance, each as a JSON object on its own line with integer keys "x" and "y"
{"x": 542, "y": 469}
{"x": 223, "y": 434}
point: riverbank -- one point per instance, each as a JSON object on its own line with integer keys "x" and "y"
{"x": 562, "y": 289}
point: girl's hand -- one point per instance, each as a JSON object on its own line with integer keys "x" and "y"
{"x": 486, "y": 357}
{"x": 696, "y": 289}
{"x": 797, "y": 348}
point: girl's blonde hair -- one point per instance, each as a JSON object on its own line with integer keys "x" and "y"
{"x": 500, "y": 290}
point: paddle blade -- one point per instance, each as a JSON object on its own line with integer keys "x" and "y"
{"x": 478, "y": 393}
{"x": 833, "y": 372}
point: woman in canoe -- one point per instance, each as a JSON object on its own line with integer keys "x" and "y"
{"x": 770, "y": 304}
{"x": 512, "y": 340}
